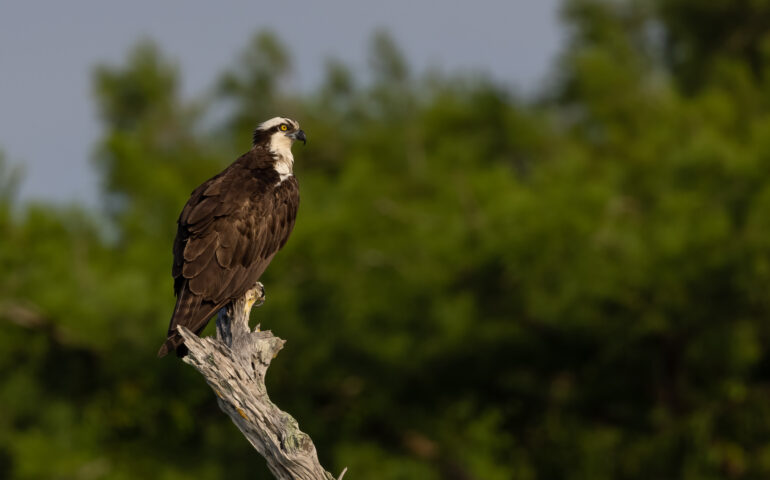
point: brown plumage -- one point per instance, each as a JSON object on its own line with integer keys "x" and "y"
{"x": 231, "y": 228}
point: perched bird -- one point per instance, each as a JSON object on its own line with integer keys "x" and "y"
{"x": 231, "y": 228}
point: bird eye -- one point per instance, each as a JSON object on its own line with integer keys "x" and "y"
{"x": 284, "y": 127}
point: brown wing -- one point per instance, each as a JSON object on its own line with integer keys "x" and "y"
{"x": 228, "y": 232}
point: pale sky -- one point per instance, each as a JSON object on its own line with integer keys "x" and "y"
{"x": 48, "y": 120}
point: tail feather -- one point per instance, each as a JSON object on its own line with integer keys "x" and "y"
{"x": 190, "y": 311}
{"x": 172, "y": 343}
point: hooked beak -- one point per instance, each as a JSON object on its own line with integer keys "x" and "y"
{"x": 298, "y": 135}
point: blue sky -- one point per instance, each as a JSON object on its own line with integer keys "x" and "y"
{"x": 48, "y": 121}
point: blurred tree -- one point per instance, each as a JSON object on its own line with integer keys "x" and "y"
{"x": 702, "y": 39}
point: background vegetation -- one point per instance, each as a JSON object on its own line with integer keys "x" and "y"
{"x": 479, "y": 286}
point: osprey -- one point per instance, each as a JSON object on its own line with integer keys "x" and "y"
{"x": 231, "y": 228}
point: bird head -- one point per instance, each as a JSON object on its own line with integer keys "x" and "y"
{"x": 278, "y": 133}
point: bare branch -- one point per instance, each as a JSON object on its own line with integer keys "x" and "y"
{"x": 234, "y": 365}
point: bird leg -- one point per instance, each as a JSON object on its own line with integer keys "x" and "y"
{"x": 233, "y": 320}
{"x": 259, "y": 295}
{"x": 255, "y": 298}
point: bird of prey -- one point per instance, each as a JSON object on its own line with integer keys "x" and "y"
{"x": 231, "y": 228}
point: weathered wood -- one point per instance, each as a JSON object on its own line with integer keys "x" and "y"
{"x": 234, "y": 364}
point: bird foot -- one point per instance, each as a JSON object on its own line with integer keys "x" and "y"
{"x": 255, "y": 297}
{"x": 259, "y": 294}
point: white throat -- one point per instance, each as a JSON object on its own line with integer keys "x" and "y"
{"x": 280, "y": 147}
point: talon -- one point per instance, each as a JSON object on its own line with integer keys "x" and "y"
{"x": 260, "y": 298}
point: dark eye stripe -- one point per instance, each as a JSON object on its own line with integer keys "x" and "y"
{"x": 290, "y": 125}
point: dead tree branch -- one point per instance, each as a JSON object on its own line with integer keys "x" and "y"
{"x": 234, "y": 365}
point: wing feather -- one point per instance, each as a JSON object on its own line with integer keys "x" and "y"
{"x": 197, "y": 246}
{"x": 215, "y": 186}
{"x": 205, "y": 209}
{"x": 193, "y": 268}
{"x": 225, "y": 256}
{"x": 209, "y": 280}
{"x": 229, "y": 231}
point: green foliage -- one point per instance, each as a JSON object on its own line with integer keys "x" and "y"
{"x": 477, "y": 287}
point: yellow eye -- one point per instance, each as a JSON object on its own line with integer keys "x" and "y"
{"x": 284, "y": 127}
